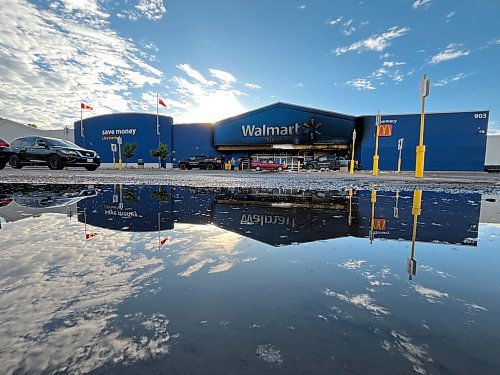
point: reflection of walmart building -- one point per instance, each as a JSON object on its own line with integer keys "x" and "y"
{"x": 290, "y": 133}
{"x": 283, "y": 217}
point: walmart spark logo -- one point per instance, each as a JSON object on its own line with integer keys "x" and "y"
{"x": 311, "y": 128}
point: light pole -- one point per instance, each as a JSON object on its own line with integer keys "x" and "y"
{"x": 119, "y": 153}
{"x": 373, "y": 199}
{"x": 416, "y": 210}
{"x": 375, "y": 156}
{"x": 419, "y": 165}
{"x": 351, "y": 170}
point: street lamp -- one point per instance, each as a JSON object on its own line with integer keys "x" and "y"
{"x": 419, "y": 165}
{"x": 351, "y": 170}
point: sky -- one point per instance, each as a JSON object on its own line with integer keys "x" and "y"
{"x": 209, "y": 60}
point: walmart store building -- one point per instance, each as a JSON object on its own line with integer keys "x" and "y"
{"x": 455, "y": 141}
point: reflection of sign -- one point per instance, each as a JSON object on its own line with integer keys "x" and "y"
{"x": 379, "y": 224}
{"x": 259, "y": 219}
{"x": 113, "y": 147}
{"x": 385, "y": 130}
{"x": 411, "y": 267}
{"x": 124, "y": 214}
{"x": 115, "y": 198}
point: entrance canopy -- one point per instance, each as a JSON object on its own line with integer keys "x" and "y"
{"x": 284, "y": 124}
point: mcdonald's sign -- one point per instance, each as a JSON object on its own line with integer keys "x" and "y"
{"x": 379, "y": 224}
{"x": 385, "y": 130}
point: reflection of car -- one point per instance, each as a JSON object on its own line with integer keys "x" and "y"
{"x": 200, "y": 161}
{"x": 270, "y": 164}
{"x": 4, "y": 153}
{"x": 46, "y": 199}
{"x": 56, "y": 153}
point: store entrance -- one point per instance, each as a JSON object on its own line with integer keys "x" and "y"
{"x": 290, "y": 159}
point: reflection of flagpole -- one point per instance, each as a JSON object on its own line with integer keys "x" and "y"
{"x": 159, "y": 239}
{"x": 373, "y": 200}
{"x": 158, "y": 127}
{"x": 85, "y": 220}
{"x": 81, "y": 119}
{"x": 350, "y": 206}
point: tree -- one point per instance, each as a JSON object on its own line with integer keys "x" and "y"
{"x": 161, "y": 153}
{"x": 34, "y": 126}
{"x": 128, "y": 151}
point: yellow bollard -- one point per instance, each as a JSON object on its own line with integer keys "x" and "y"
{"x": 419, "y": 166}
{"x": 375, "y": 165}
{"x": 298, "y": 166}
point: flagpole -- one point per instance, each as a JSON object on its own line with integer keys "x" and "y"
{"x": 158, "y": 127}
{"x": 85, "y": 220}
{"x": 81, "y": 119}
{"x": 159, "y": 239}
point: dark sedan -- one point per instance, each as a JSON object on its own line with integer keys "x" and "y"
{"x": 4, "y": 153}
{"x": 53, "y": 152}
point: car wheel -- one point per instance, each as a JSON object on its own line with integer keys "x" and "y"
{"x": 258, "y": 168}
{"x": 91, "y": 167}
{"x": 279, "y": 169}
{"x": 189, "y": 168}
{"x": 310, "y": 167}
{"x": 55, "y": 162}
{"x": 182, "y": 167}
{"x": 15, "y": 162}
{"x": 210, "y": 166}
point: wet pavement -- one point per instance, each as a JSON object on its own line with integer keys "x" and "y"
{"x": 138, "y": 279}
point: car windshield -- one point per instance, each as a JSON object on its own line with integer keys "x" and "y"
{"x": 61, "y": 143}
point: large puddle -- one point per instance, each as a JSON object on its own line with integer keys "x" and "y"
{"x": 161, "y": 279}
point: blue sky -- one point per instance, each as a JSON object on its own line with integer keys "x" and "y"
{"x": 213, "y": 59}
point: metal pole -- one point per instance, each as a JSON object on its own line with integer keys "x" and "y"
{"x": 419, "y": 165}
{"x": 399, "y": 162}
{"x": 350, "y": 207}
{"x": 120, "y": 154}
{"x": 373, "y": 200}
{"x": 351, "y": 169}
{"x": 375, "y": 156}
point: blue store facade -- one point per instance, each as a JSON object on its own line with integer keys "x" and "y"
{"x": 291, "y": 134}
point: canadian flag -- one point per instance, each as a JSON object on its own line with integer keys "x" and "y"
{"x": 88, "y": 236}
{"x": 162, "y": 242}
{"x": 161, "y": 102}
{"x": 85, "y": 106}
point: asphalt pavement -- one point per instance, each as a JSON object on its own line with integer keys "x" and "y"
{"x": 450, "y": 181}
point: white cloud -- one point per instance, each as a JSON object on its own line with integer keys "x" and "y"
{"x": 46, "y": 69}
{"x": 200, "y": 100}
{"x": 361, "y": 84}
{"x": 375, "y": 42}
{"x": 299, "y": 84}
{"x": 495, "y": 41}
{"x": 348, "y": 28}
{"x": 252, "y": 86}
{"x": 455, "y": 78}
{"x": 194, "y": 74}
{"x": 360, "y": 300}
{"x": 333, "y": 22}
{"x": 449, "y": 15}
{"x": 431, "y": 295}
{"x": 223, "y": 76}
{"x": 390, "y": 64}
{"x": 421, "y": 3}
{"x": 301, "y": 7}
{"x": 450, "y": 53}
{"x": 151, "y": 9}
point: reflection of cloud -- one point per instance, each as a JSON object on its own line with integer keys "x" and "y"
{"x": 361, "y": 300}
{"x": 269, "y": 353}
{"x": 68, "y": 291}
{"x": 431, "y": 295}
{"x": 199, "y": 245}
{"x": 352, "y": 264}
{"x": 417, "y": 355}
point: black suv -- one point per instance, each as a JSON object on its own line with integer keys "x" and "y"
{"x": 200, "y": 161}
{"x": 56, "y": 153}
{"x": 4, "y": 153}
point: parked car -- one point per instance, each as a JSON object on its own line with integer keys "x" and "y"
{"x": 200, "y": 161}
{"x": 4, "y": 153}
{"x": 270, "y": 164}
{"x": 53, "y": 152}
{"x": 331, "y": 162}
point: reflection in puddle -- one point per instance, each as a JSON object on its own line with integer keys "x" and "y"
{"x": 162, "y": 278}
